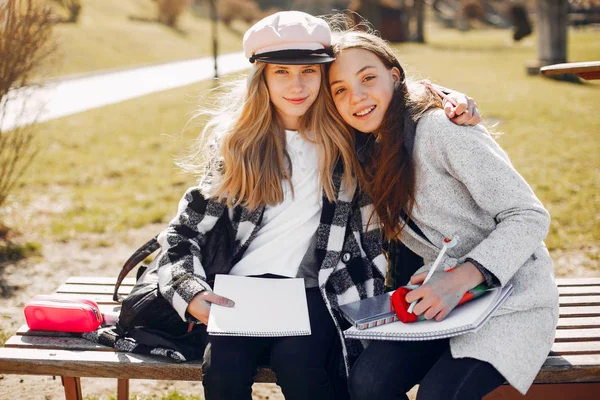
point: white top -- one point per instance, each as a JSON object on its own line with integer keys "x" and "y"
{"x": 287, "y": 228}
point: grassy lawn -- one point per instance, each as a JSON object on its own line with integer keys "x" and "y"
{"x": 106, "y": 38}
{"x": 111, "y": 169}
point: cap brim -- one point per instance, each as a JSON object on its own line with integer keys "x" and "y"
{"x": 306, "y": 60}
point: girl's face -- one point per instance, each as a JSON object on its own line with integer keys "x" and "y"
{"x": 362, "y": 88}
{"x": 292, "y": 89}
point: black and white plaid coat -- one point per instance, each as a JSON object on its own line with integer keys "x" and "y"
{"x": 349, "y": 251}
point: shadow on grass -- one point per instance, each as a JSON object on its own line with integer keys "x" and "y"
{"x": 11, "y": 252}
{"x": 175, "y": 29}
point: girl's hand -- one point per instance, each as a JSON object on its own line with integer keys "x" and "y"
{"x": 443, "y": 290}
{"x": 200, "y": 305}
{"x": 465, "y": 112}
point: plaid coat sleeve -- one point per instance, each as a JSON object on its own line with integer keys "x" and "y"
{"x": 181, "y": 275}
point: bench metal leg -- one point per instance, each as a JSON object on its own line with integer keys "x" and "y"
{"x": 555, "y": 391}
{"x": 72, "y": 387}
{"x": 123, "y": 389}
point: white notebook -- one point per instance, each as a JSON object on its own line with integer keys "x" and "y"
{"x": 468, "y": 317}
{"x": 263, "y": 307}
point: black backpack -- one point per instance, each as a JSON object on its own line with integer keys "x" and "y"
{"x": 145, "y": 307}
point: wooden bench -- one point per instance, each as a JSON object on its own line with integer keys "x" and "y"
{"x": 572, "y": 370}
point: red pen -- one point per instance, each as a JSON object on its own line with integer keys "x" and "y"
{"x": 443, "y": 95}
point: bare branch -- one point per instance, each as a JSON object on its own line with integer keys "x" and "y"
{"x": 25, "y": 47}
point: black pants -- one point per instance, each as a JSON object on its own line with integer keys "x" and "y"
{"x": 306, "y": 366}
{"x": 387, "y": 370}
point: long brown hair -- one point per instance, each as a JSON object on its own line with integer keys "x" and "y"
{"x": 389, "y": 173}
{"x": 242, "y": 154}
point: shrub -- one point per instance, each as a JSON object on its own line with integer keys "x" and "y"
{"x": 25, "y": 47}
{"x": 74, "y": 8}
{"x": 169, "y": 11}
{"x": 244, "y": 10}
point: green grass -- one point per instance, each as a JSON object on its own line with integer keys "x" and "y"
{"x": 16, "y": 251}
{"x": 4, "y": 336}
{"x": 111, "y": 169}
{"x": 106, "y": 38}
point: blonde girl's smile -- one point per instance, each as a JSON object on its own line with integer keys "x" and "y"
{"x": 296, "y": 101}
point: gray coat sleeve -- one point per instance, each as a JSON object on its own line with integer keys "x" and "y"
{"x": 479, "y": 163}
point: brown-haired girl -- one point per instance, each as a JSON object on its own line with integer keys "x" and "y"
{"x": 429, "y": 180}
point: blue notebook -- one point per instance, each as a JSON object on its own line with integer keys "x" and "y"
{"x": 370, "y": 312}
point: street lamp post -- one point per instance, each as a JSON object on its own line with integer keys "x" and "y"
{"x": 215, "y": 43}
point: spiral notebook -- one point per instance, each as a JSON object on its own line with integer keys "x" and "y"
{"x": 263, "y": 307}
{"x": 468, "y": 317}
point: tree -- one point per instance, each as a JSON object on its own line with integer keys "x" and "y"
{"x": 25, "y": 47}
{"x": 169, "y": 11}
{"x": 74, "y": 8}
{"x": 368, "y": 9}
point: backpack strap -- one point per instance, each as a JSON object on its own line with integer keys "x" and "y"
{"x": 140, "y": 255}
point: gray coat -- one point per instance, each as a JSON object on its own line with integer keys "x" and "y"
{"x": 466, "y": 186}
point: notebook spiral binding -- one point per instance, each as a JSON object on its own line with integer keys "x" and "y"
{"x": 261, "y": 334}
{"x": 412, "y": 337}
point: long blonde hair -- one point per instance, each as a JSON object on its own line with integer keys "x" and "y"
{"x": 242, "y": 154}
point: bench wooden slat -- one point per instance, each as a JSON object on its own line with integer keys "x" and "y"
{"x": 577, "y": 281}
{"x": 564, "y": 335}
{"x": 130, "y": 281}
{"x": 578, "y": 322}
{"x": 103, "y": 364}
{"x": 24, "y": 330}
{"x": 98, "y": 280}
{"x": 98, "y": 298}
{"x": 579, "y": 311}
{"x": 579, "y": 290}
{"x": 92, "y": 289}
{"x": 46, "y": 342}
{"x": 576, "y": 348}
{"x": 570, "y": 369}
{"x": 579, "y": 300}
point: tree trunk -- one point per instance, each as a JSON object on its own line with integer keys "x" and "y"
{"x": 552, "y": 31}
{"x": 419, "y": 9}
{"x": 371, "y": 10}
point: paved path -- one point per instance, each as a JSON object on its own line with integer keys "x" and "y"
{"x": 71, "y": 96}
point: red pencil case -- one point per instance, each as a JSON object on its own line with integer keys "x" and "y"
{"x": 62, "y": 313}
{"x": 400, "y": 306}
